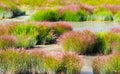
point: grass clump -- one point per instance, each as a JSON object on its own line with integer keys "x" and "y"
{"x": 101, "y": 14}
{"x": 73, "y": 16}
{"x": 45, "y": 15}
{"x": 80, "y": 42}
{"x": 7, "y": 41}
{"x": 102, "y": 44}
{"x": 61, "y": 27}
{"x": 12, "y": 61}
{"x": 25, "y": 34}
{"x": 115, "y": 38}
{"x": 45, "y": 33}
{"x": 71, "y": 63}
{"x": 117, "y": 17}
{"x": 48, "y": 32}
{"x": 107, "y": 64}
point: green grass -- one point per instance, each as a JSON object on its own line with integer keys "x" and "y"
{"x": 117, "y": 17}
{"x": 45, "y": 15}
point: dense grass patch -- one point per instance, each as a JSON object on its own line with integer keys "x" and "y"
{"x": 25, "y": 34}
{"x": 102, "y": 44}
{"x": 107, "y": 64}
{"x": 117, "y": 17}
{"x": 80, "y": 42}
{"x": 102, "y": 16}
{"x": 45, "y": 15}
{"x": 39, "y": 61}
{"x": 48, "y": 32}
{"x": 7, "y": 41}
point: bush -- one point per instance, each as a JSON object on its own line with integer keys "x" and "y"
{"x": 115, "y": 38}
{"x": 69, "y": 16}
{"x": 17, "y": 12}
{"x": 71, "y": 63}
{"x": 112, "y": 66}
{"x": 98, "y": 63}
{"x": 117, "y": 17}
{"x": 80, "y": 42}
{"x": 7, "y": 41}
{"x": 39, "y": 61}
{"x": 48, "y": 32}
{"x": 107, "y": 64}
{"x": 45, "y": 33}
{"x": 25, "y": 33}
{"x": 102, "y": 16}
{"x": 12, "y": 61}
{"x": 82, "y": 15}
{"x": 73, "y": 16}
{"x": 61, "y": 27}
{"x": 52, "y": 61}
{"x": 45, "y": 15}
{"x": 3, "y": 30}
{"x": 102, "y": 44}
{"x": 5, "y": 13}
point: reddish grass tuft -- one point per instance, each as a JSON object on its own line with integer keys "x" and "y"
{"x": 62, "y": 27}
{"x": 7, "y": 41}
{"x": 77, "y": 41}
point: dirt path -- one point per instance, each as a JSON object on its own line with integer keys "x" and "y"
{"x": 87, "y": 67}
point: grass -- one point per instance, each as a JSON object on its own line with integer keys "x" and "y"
{"x": 79, "y": 42}
{"x": 25, "y": 34}
{"x": 46, "y": 15}
{"x": 117, "y": 17}
{"x": 39, "y": 61}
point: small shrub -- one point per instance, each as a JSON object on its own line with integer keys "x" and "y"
{"x": 102, "y": 44}
{"x": 115, "y": 38}
{"x": 69, "y": 16}
{"x": 45, "y": 33}
{"x": 37, "y": 61}
{"x": 80, "y": 42}
{"x": 102, "y": 16}
{"x": 7, "y": 41}
{"x": 45, "y": 15}
{"x": 3, "y": 30}
{"x": 117, "y": 17}
{"x": 17, "y": 12}
{"x": 25, "y": 33}
{"x": 107, "y": 64}
{"x": 83, "y": 16}
{"x": 52, "y": 61}
{"x": 112, "y": 66}
{"x": 12, "y": 61}
{"x": 61, "y": 27}
{"x": 5, "y": 13}
{"x": 71, "y": 63}
{"x": 98, "y": 63}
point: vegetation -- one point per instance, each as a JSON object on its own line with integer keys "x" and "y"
{"x": 20, "y": 61}
{"x": 80, "y": 42}
{"x": 25, "y": 34}
{"x": 102, "y": 44}
{"x": 46, "y": 15}
{"x": 117, "y": 17}
{"x": 101, "y": 14}
{"x": 107, "y": 64}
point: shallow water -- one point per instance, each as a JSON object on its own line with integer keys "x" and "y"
{"x": 94, "y": 26}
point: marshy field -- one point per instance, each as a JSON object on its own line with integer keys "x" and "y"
{"x": 59, "y": 37}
